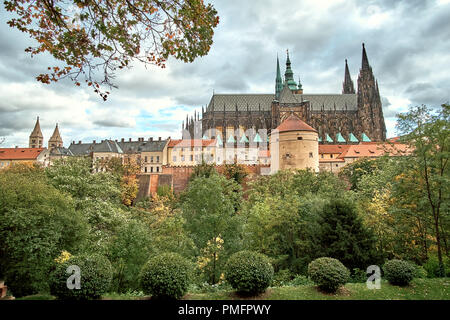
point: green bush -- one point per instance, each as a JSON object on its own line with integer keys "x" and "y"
{"x": 282, "y": 277}
{"x": 432, "y": 266}
{"x": 398, "y": 272}
{"x": 328, "y": 273}
{"x": 95, "y": 279}
{"x": 358, "y": 276}
{"x": 249, "y": 272}
{"x": 420, "y": 272}
{"x": 166, "y": 276}
{"x": 301, "y": 280}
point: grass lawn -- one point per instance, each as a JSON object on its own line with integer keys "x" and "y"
{"x": 419, "y": 289}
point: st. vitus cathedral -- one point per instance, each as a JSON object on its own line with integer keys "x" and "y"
{"x": 349, "y": 117}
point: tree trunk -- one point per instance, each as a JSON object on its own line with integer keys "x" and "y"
{"x": 438, "y": 242}
{"x": 444, "y": 239}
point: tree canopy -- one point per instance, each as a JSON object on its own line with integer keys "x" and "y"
{"x": 91, "y": 37}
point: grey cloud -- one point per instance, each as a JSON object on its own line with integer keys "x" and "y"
{"x": 428, "y": 94}
{"x": 114, "y": 123}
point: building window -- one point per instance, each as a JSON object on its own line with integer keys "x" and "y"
{"x": 321, "y": 155}
{"x": 151, "y": 159}
{"x": 336, "y": 164}
{"x": 174, "y": 158}
{"x": 299, "y": 138}
{"x": 331, "y": 156}
{"x": 145, "y": 159}
{"x": 151, "y": 169}
{"x": 157, "y": 169}
{"x": 157, "y": 159}
{"x": 310, "y": 154}
{"x": 145, "y": 169}
{"x": 192, "y": 157}
{"x": 182, "y": 158}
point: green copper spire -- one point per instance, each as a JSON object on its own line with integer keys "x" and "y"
{"x": 278, "y": 81}
{"x": 299, "y": 84}
{"x": 329, "y": 138}
{"x": 289, "y": 74}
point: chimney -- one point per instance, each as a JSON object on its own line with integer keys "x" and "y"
{"x": 93, "y": 142}
{"x": 129, "y": 139}
{"x": 159, "y": 138}
{"x": 73, "y": 142}
{"x": 122, "y": 140}
{"x": 168, "y": 138}
{"x": 151, "y": 139}
{"x": 79, "y": 141}
{"x": 116, "y": 140}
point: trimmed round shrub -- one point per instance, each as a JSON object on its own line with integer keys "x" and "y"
{"x": 399, "y": 272}
{"x": 95, "y": 278}
{"x": 249, "y": 272}
{"x": 328, "y": 273}
{"x": 166, "y": 276}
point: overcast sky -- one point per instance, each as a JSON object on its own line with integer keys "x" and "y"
{"x": 407, "y": 42}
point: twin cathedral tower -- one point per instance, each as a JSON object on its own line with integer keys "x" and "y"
{"x": 350, "y": 117}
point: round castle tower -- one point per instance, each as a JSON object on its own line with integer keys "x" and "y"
{"x": 294, "y": 145}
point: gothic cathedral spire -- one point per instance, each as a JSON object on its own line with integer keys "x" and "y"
{"x": 365, "y": 62}
{"x": 36, "y": 138}
{"x": 278, "y": 81}
{"x": 370, "y": 111}
{"x": 289, "y": 74}
{"x": 347, "y": 86}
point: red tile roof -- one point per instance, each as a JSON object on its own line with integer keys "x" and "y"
{"x": 294, "y": 123}
{"x": 375, "y": 150}
{"x": 192, "y": 143}
{"x": 20, "y": 153}
{"x": 332, "y": 148}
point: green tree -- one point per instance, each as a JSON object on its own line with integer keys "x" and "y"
{"x": 128, "y": 251}
{"x": 428, "y": 134}
{"x": 37, "y": 222}
{"x": 353, "y": 172}
{"x": 209, "y": 210}
{"x": 235, "y": 171}
{"x": 92, "y": 36}
{"x": 203, "y": 170}
{"x": 97, "y": 196}
{"x": 74, "y": 176}
{"x": 339, "y": 233}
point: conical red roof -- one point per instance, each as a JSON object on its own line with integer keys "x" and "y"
{"x": 294, "y": 123}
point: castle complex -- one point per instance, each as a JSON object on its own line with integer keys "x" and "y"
{"x": 287, "y": 129}
{"x": 346, "y": 118}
